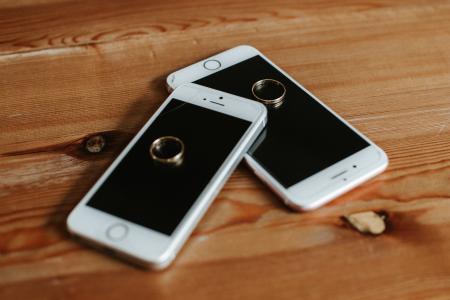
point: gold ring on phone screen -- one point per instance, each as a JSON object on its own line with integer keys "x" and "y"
{"x": 276, "y": 89}
{"x": 167, "y": 150}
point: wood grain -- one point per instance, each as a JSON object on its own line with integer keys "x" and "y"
{"x": 71, "y": 69}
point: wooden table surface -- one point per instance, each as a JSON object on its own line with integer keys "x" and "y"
{"x": 72, "y": 69}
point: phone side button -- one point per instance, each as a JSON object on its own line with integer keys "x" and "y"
{"x": 117, "y": 232}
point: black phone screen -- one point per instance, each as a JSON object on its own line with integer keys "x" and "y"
{"x": 302, "y": 136}
{"x": 158, "y": 196}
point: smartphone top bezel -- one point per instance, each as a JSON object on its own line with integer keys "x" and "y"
{"x": 219, "y": 101}
{"x": 159, "y": 250}
{"x": 320, "y": 188}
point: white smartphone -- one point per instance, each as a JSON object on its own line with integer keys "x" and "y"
{"x": 149, "y": 200}
{"x": 309, "y": 155}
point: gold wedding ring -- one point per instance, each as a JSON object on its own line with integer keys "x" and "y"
{"x": 167, "y": 150}
{"x": 277, "y": 92}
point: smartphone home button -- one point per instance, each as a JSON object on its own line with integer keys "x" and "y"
{"x": 212, "y": 64}
{"x": 117, "y": 232}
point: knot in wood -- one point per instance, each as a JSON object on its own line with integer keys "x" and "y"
{"x": 95, "y": 144}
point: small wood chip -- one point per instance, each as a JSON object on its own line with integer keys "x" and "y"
{"x": 95, "y": 144}
{"x": 367, "y": 222}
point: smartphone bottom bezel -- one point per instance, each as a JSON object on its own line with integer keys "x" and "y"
{"x": 145, "y": 247}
